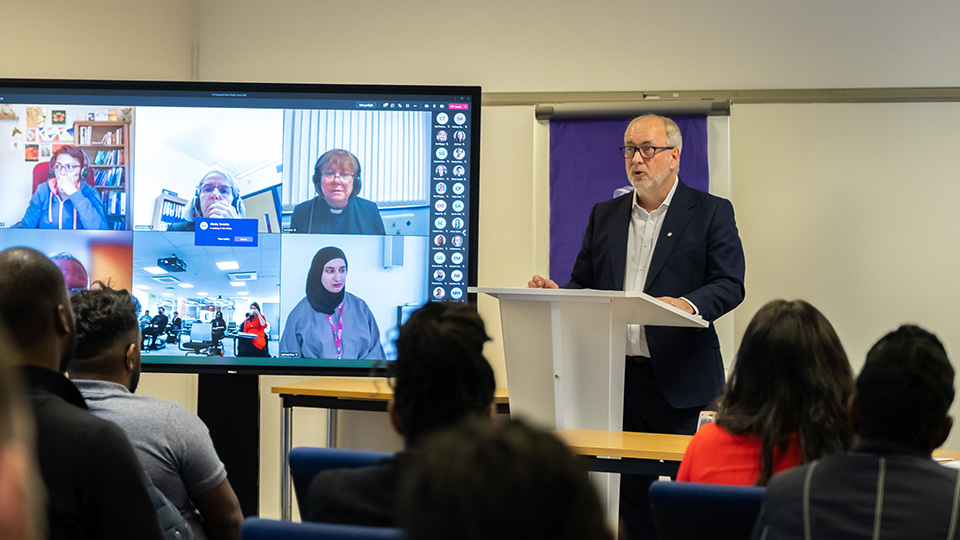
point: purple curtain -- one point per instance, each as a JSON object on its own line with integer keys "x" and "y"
{"x": 586, "y": 168}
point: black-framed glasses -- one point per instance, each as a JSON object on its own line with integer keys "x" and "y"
{"x": 646, "y": 152}
{"x": 68, "y": 167}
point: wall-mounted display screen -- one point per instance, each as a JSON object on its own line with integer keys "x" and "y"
{"x": 268, "y": 228}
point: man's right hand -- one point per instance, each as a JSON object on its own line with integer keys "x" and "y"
{"x": 539, "y": 282}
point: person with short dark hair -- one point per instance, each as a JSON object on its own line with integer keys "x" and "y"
{"x": 157, "y": 326}
{"x": 888, "y": 486}
{"x": 498, "y": 480}
{"x": 338, "y": 207}
{"x": 440, "y": 378}
{"x": 172, "y": 444}
{"x": 95, "y": 486}
{"x": 785, "y": 403}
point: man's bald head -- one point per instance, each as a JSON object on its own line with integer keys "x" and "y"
{"x": 34, "y": 304}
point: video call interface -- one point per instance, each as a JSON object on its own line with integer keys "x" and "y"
{"x": 287, "y": 227}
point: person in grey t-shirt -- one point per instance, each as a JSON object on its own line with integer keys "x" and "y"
{"x": 172, "y": 444}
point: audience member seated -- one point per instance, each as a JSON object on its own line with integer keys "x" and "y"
{"x": 441, "y": 377}
{"x": 218, "y": 196}
{"x": 66, "y": 200}
{"x": 156, "y": 327}
{"x": 176, "y": 325}
{"x": 172, "y": 444}
{"x": 888, "y": 486}
{"x": 486, "y": 480}
{"x": 95, "y": 486}
{"x": 784, "y": 403}
{"x": 337, "y": 208}
{"x": 21, "y": 493}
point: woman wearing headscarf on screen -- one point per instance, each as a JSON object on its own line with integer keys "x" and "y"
{"x": 337, "y": 208}
{"x": 330, "y": 322}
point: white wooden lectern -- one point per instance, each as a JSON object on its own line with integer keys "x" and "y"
{"x": 564, "y": 351}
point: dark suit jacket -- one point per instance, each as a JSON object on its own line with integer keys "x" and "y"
{"x": 699, "y": 256}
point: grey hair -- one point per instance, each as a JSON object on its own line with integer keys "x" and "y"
{"x": 674, "y": 138}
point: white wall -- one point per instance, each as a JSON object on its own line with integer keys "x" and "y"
{"x": 852, "y": 259}
{"x": 852, "y": 207}
{"x": 566, "y": 45}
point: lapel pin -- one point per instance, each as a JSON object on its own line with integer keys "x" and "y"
{"x": 669, "y": 234}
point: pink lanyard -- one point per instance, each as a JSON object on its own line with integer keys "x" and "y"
{"x": 338, "y": 331}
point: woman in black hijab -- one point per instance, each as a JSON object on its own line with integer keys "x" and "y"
{"x": 330, "y": 322}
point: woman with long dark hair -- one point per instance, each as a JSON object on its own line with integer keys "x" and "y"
{"x": 785, "y": 402}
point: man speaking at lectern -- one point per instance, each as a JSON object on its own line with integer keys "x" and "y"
{"x": 682, "y": 247}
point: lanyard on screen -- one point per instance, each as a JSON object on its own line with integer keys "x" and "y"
{"x": 338, "y": 331}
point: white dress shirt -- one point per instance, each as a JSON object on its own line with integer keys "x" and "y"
{"x": 641, "y": 241}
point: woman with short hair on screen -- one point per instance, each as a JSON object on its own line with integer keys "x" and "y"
{"x": 66, "y": 200}
{"x": 217, "y": 196}
{"x": 337, "y": 208}
{"x": 785, "y": 403}
{"x": 329, "y": 322}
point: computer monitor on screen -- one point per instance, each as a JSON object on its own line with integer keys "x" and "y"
{"x": 296, "y": 221}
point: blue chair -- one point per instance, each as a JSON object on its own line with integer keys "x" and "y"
{"x": 307, "y": 461}
{"x": 683, "y": 510}
{"x": 269, "y": 529}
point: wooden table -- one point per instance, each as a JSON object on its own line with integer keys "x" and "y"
{"x": 334, "y": 394}
{"x": 625, "y": 452}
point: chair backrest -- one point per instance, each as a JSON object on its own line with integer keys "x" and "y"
{"x": 41, "y": 173}
{"x": 268, "y": 529}
{"x": 307, "y": 461}
{"x": 690, "y": 510}
{"x": 201, "y": 332}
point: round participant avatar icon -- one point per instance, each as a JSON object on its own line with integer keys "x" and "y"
{"x": 459, "y": 170}
{"x": 442, "y": 136}
{"x": 439, "y": 240}
{"x": 438, "y": 293}
{"x": 458, "y": 188}
{"x": 441, "y": 153}
{"x": 440, "y": 223}
{"x": 439, "y": 257}
{"x": 439, "y": 274}
{"x": 456, "y": 275}
{"x": 440, "y": 188}
{"x": 456, "y": 258}
{"x": 458, "y": 206}
{"x": 441, "y": 170}
{"x": 440, "y": 206}
{"x": 442, "y": 118}
{"x": 460, "y": 118}
{"x": 458, "y": 153}
{"x": 457, "y": 223}
{"x": 456, "y": 293}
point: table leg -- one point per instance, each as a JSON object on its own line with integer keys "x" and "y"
{"x": 286, "y": 436}
{"x": 331, "y": 428}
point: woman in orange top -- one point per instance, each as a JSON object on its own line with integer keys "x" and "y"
{"x": 785, "y": 402}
